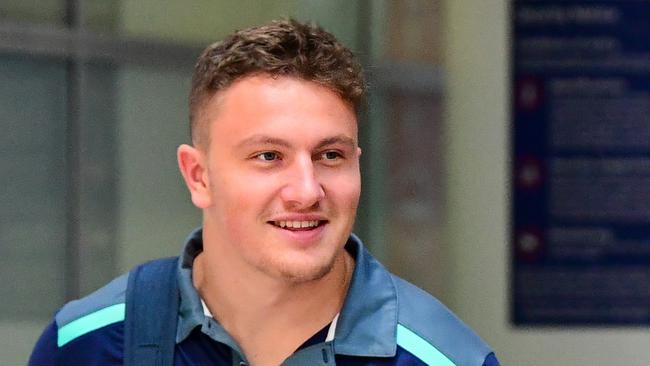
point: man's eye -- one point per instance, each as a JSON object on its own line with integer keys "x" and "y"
{"x": 331, "y": 155}
{"x": 268, "y": 156}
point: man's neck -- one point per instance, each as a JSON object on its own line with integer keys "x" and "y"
{"x": 268, "y": 317}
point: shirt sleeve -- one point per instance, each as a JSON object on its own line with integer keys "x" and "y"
{"x": 46, "y": 350}
{"x": 491, "y": 360}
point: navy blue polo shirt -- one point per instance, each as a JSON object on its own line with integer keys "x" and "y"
{"x": 385, "y": 321}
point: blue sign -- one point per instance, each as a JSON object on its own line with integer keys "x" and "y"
{"x": 581, "y": 162}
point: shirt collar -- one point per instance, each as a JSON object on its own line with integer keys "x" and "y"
{"x": 366, "y": 325}
{"x": 190, "y": 313}
{"x": 368, "y": 322}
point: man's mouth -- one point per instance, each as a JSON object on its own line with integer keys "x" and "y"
{"x": 298, "y": 225}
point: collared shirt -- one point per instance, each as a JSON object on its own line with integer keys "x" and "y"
{"x": 384, "y": 321}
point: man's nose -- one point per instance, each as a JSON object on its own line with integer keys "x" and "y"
{"x": 303, "y": 189}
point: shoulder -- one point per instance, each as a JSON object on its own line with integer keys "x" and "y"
{"x": 86, "y": 330}
{"x": 101, "y": 307}
{"x": 429, "y": 329}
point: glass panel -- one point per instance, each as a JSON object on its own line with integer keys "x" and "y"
{"x": 207, "y": 21}
{"x": 414, "y": 188}
{"x": 100, "y": 15}
{"x": 155, "y": 212}
{"x": 414, "y": 31}
{"x": 33, "y": 181}
{"x": 42, "y": 11}
{"x": 97, "y": 176}
{"x": 403, "y": 165}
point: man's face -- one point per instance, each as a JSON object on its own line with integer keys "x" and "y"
{"x": 283, "y": 172}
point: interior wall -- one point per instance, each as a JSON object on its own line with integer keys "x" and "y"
{"x": 476, "y": 245}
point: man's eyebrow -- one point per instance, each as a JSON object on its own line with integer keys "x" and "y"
{"x": 268, "y": 140}
{"x": 339, "y": 139}
{"x": 263, "y": 140}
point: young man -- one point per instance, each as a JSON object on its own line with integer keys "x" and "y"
{"x": 275, "y": 277}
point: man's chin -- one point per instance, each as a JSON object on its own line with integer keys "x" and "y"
{"x": 302, "y": 274}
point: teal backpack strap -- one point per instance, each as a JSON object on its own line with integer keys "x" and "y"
{"x": 152, "y": 300}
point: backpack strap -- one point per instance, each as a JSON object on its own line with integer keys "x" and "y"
{"x": 152, "y": 300}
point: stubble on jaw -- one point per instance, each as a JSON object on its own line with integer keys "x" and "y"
{"x": 296, "y": 276}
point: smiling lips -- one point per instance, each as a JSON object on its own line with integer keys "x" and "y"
{"x": 298, "y": 225}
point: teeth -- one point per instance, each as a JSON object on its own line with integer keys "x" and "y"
{"x": 297, "y": 224}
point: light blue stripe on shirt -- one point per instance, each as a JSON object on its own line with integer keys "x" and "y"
{"x": 90, "y": 322}
{"x": 420, "y": 348}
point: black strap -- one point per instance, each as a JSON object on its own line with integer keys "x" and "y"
{"x": 152, "y": 300}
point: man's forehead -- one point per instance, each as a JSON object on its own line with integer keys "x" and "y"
{"x": 265, "y": 82}
{"x": 246, "y": 95}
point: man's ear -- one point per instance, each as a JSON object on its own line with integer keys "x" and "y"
{"x": 192, "y": 164}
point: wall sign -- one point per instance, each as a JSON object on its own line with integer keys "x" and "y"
{"x": 581, "y": 162}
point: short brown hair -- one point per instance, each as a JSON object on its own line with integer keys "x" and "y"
{"x": 281, "y": 48}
